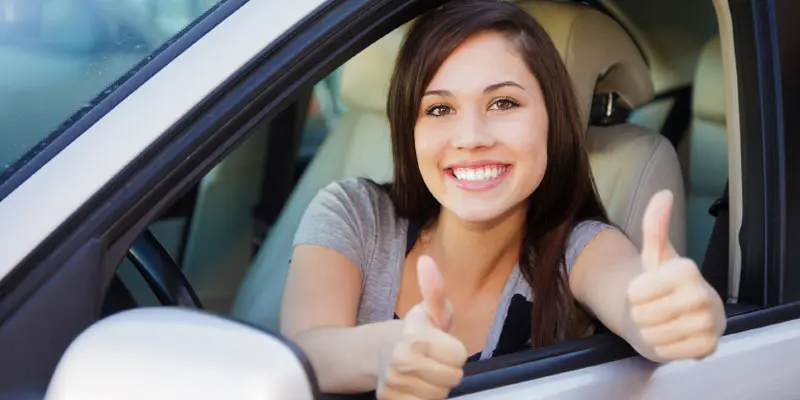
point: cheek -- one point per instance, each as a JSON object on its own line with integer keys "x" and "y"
{"x": 526, "y": 140}
{"x": 429, "y": 143}
{"x": 526, "y": 137}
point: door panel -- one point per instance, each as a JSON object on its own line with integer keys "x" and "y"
{"x": 34, "y": 336}
{"x": 756, "y": 364}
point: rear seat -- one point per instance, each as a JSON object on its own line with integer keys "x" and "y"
{"x": 704, "y": 149}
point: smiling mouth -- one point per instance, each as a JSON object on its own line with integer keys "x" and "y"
{"x": 484, "y": 173}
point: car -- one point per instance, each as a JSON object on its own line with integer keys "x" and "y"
{"x": 155, "y": 158}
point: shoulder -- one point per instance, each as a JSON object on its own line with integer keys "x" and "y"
{"x": 353, "y": 207}
{"x": 355, "y": 191}
{"x": 347, "y": 216}
{"x": 588, "y": 228}
{"x": 581, "y": 234}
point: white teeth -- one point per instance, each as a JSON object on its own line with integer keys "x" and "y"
{"x": 478, "y": 174}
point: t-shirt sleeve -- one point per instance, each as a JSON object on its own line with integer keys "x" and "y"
{"x": 580, "y": 236}
{"x": 340, "y": 218}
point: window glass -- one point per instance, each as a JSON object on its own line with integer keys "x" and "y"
{"x": 57, "y": 56}
{"x": 324, "y": 110}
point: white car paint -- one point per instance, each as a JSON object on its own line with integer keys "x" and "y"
{"x": 756, "y": 364}
{"x": 41, "y": 203}
{"x": 170, "y": 353}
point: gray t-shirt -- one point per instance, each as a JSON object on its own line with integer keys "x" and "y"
{"x": 358, "y": 220}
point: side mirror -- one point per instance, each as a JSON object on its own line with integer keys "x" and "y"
{"x": 174, "y": 353}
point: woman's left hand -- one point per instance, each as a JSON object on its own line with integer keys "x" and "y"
{"x": 678, "y": 314}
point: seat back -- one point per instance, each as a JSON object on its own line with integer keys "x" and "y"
{"x": 630, "y": 163}
{"x": 704, "y": 149}
{"x": 360, "y": 144}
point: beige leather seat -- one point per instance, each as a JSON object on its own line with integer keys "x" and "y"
{"x": 626, "y": 160}
{"x": 704, "y": 150}
{"x": 630, "y": 163}
{"x": 359, "y": 145}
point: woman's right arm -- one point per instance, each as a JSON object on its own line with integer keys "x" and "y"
{"x": 320, "y": 305}
{"x": 318, "y": 312}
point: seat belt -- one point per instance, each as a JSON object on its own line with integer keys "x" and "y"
{"x": 716, "y": 260}
{"x": 679, "y": 118}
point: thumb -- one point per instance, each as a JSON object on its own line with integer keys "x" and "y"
{"x": 656, "y": 247}
{"x": 431, "y": 286}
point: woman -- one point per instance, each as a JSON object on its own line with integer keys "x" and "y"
{"x": 492, "y": 181}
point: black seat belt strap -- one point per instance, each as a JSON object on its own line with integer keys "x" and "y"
{"x": 716, "y": 260}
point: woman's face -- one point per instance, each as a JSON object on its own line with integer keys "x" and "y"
{"x": 481, "y": 131}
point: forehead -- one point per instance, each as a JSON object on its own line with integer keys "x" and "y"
{"x": 483, "y": 59}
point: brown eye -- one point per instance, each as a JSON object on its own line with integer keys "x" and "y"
{"x": 438, "y": 110}
{"x": 504, "y": 104}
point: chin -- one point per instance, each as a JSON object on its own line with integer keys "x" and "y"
{"x": 478, "y": 213}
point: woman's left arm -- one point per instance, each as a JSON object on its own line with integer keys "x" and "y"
{"x": 656, "y": 300}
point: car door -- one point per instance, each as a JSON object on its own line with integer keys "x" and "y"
{"x": 91, "y": 91}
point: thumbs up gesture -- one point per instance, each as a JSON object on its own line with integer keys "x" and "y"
{"x": 427, "y": 361}
{"x": 679, "y": 315}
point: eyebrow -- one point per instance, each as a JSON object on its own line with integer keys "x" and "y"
{"x": 489, "y": 89}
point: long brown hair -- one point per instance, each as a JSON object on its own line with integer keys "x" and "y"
{"x": 566, "y": 194}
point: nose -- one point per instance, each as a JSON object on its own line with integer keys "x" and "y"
{"x": 472, "y": 132}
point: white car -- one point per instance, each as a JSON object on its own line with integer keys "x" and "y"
{"x": 156, "y": 156}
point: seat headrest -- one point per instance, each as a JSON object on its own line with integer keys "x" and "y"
{"x": 365, "y": 78}
{"x": 709, "y": 84}
{"x": 597, "y": 52}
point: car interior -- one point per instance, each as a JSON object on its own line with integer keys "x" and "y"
{"x": 649, "y": 80}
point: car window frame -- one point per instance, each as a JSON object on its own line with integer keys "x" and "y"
{"x": 785, "y": 59}
{"x": 77, "y": 123}
{"x": 769, "y": 223}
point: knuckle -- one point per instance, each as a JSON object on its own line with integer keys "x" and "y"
{"x": 663, "y": 352}
{"x": 708, "y": 345}
{"x": 633, "y": 290}
{"x": 705, "y": 323}
{"x": 458, "y": 349}
{"x": 412, "y": 336}
{"x": 391, "y": 377}
{"x": 440, "y": 393}
{"x": 699, "y": 297}
{"x": 383, "y": 392}
{"x": 453, "y": 377}
{"x": 403, "y": 360}
{"x": 418, "y": 345}
{"x": 637, "y": 315}
{"x": 690, "y": 298}
{"x": 687, "y": 267}
{"x": 649, "y": 336}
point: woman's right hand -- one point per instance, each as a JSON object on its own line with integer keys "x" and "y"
{"x": 427, "y": 361}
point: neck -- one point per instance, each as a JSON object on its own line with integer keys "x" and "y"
{"x": 472, "y": 254}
